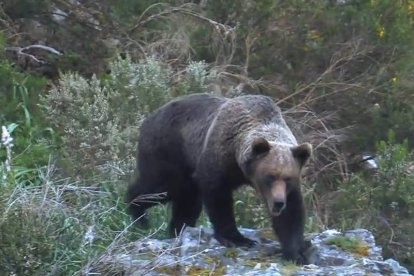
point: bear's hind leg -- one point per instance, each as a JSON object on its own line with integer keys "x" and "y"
{"x": 140, "y": 197}
{"x": 186, "y": 208}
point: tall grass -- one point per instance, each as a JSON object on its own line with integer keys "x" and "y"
{"x": 55, "y": 228}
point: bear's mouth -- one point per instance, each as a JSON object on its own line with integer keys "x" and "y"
{"x": 278, "y": 207}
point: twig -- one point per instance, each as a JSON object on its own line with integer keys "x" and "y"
{"x": 334, "y": 65}
{"x": 218, "y": 26}
{"x": 21, "y": 51}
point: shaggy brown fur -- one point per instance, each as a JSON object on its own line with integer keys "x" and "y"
{"x": 199, "y": 148}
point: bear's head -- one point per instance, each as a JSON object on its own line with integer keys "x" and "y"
{"x": 275, "y": 169}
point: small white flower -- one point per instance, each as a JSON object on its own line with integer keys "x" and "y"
{"x": 89, "y": 235}
{"x": 6, "y": 139}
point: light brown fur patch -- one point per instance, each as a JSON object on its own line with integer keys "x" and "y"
{"x": 280, "y": 164}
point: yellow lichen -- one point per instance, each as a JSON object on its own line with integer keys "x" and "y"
{"x": 202, "y": 271}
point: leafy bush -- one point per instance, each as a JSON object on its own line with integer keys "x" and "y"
{"x": 383, "y": 202}
{"x": 99, "y": 119}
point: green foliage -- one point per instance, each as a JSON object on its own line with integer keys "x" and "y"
{"x": 396, "y": 175}
{"x": 384, "y": 201}
{"x": 391, "y": 26}
{"x": 391, "y": 189}
{"x": 250, "y": 210}
{"x": 352, "y": 57}
{"x": 99, "y": 118}
{"x": 33, "y": 139}
{"x": 146, "y": 84}
{"x": 334, "y": 53}
{"x": 391, "y": 114}
{"x": 126, "y": 11}
{"x": 24, "y": 8}
{"x": 2, "y": 44}
{"x": 195, "y": 80}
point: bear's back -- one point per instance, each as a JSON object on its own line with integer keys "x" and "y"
{"x": 261, "y": 108}
{"x": 178, "y": 128}
{"x": 186, "y": 126}
{"x": 183, "y": 110}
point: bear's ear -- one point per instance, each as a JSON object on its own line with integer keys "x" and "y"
{"x": 260, "y": 146}
{"x": 302, "y": 152}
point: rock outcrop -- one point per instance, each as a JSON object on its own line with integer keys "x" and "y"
{"x": 196, "y": 252}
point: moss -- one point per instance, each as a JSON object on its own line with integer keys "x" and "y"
{"x": 202, "y": 271}
{"x": 211, "y": 259}
{"x": 217, "y": 269}
{"x": 352, "y": 245}
{"x": 252, "y": 262}
{"x": 169, "y": 270}
{"x": 231, "y": 252}
{"x": 288, "y": 267}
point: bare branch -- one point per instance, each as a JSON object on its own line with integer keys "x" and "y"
{"x": 338, "y": 60}
{"x": 221, "y": 28}
{"x": 21, "y": 51}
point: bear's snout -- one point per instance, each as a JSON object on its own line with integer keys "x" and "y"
{"x": 278, "y": 206}
{"x": 277, "y": 200}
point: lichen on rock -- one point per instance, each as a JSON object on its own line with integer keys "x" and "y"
{"x": 196, "y": 252}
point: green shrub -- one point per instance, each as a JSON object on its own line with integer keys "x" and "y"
{"x": 382, "y": 202}
{"x": 99, "y": 119}
{"x": 24, "y": 8}
{"x": 250, "y": 210}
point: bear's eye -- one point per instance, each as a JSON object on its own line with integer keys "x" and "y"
{"x": 269, "y": 179}
{"x": 287, "y": 179}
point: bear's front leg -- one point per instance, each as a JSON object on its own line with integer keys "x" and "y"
{"x": 289, "y": 227}
{"x": 219, "y": 207}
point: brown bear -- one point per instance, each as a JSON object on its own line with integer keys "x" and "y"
{"x": 198, "y": 149}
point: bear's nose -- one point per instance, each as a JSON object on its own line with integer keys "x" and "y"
{"x": 278, "y": 207}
